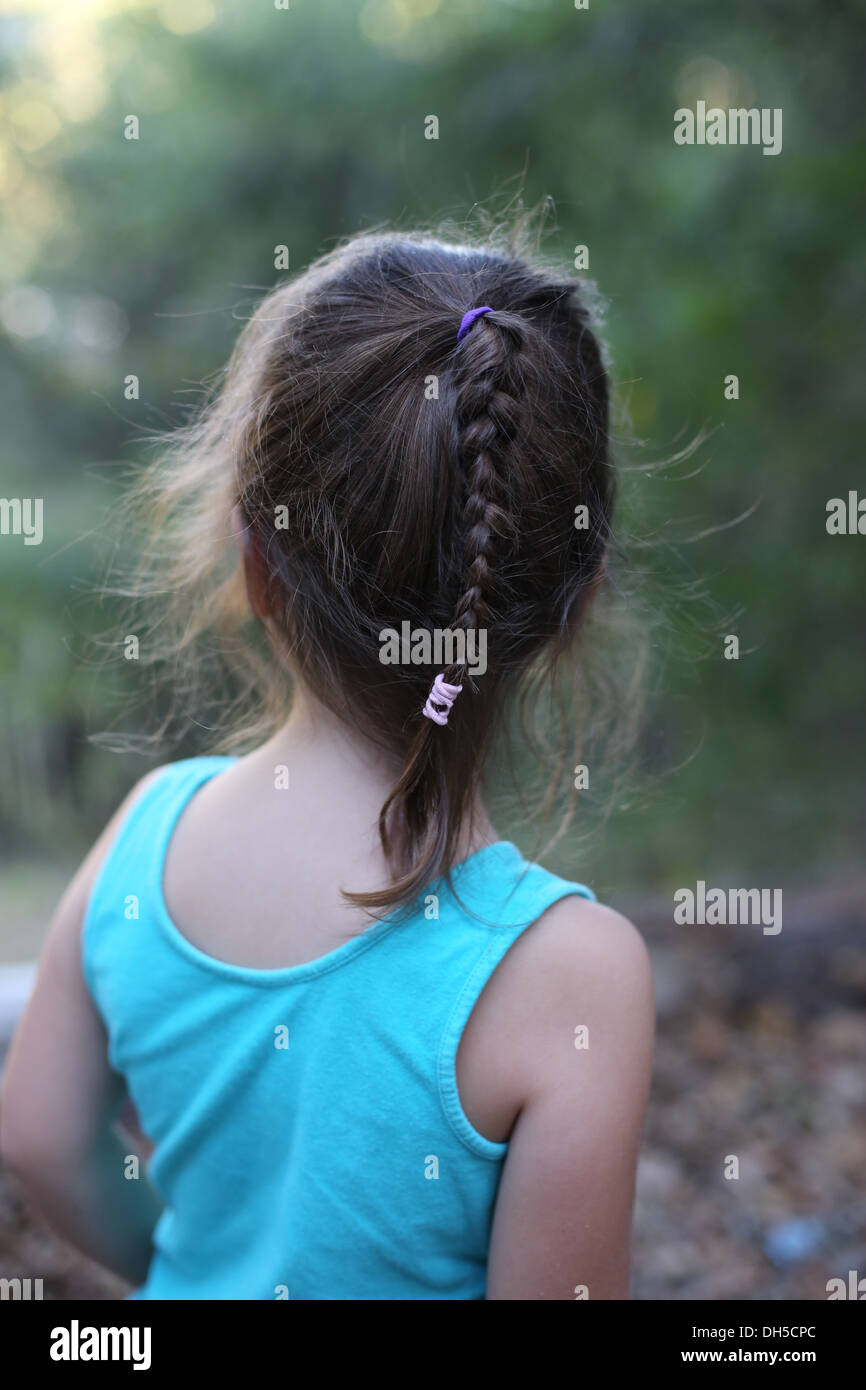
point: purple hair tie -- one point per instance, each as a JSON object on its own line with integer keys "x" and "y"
{"x": 443, "y": 694}
{"x": 469, "y": 318}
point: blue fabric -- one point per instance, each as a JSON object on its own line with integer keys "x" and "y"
{"x": 341, "y": 1166}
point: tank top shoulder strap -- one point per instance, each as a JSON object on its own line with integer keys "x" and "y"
{"x": 134, "y": 859}
{"x": 150, "y": 820}
{"x": 507, "y": 894}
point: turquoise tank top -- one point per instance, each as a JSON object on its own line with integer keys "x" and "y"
{"x": 309, "y": 1140}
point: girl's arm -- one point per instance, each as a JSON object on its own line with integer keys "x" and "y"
{"x": 61, "y": 1101}
{"x": 562, "y": 1224}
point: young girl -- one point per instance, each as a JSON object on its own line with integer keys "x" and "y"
{"x": 445, "y": 1103}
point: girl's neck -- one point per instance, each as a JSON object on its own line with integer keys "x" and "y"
{"x": 320, "y": 747}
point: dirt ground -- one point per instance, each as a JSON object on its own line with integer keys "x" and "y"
{"x": 760, "y": 1059}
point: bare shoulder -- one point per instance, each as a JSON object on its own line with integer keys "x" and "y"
{"x": 591, "y": 971}
{"x": 578, "y": 932}
{"x": 578, "y": 978}
{"x": 577, "y": 987}
{"x": 580, "y": 953}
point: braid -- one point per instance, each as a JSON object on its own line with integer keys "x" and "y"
{"x": 488, "y": 417}
{"x": 491, "y": 373}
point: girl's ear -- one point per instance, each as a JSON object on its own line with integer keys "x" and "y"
{"x": 253, "y": 564}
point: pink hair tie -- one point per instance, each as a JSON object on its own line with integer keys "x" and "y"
{"x": 443, "y": 694}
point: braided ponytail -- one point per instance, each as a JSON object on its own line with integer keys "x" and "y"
{"x": 488, "y": 419}
{"x": 490, "y": 375}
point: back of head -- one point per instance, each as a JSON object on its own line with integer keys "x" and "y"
{"x": 389, "y": 474}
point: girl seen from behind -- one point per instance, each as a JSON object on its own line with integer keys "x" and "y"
{"x": 376, "y": 1053}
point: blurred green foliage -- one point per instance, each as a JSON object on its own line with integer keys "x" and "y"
{"x": 261, "y": 126}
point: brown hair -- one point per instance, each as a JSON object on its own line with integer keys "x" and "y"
{"x": 388, "y": 473}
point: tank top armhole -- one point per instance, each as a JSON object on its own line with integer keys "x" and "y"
{"x": 501, "y": 939}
